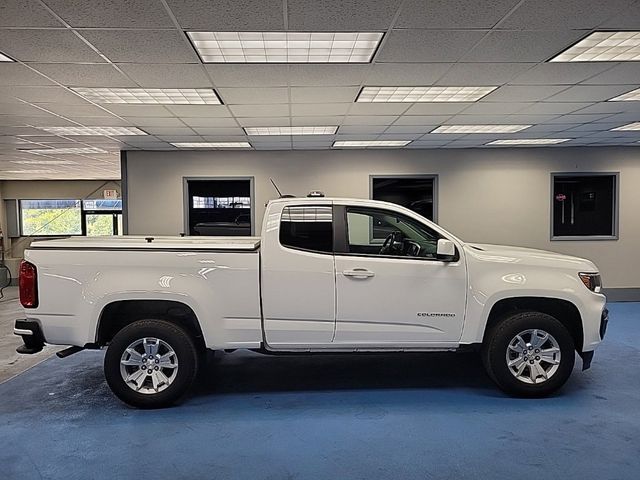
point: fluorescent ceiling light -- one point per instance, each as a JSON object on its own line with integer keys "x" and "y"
{"x": 329, "y": 130}
{"x": 4, "y": 58}
{"x": 603, "y": 47}
{"x": 285, "y": 47}
{"x": 371, "y": 143}
{"x": 633, "y": 95}
{"x": 529, "y": 141}
{"x": 423, "y": 94}
{"x": 65, "y": 151}
{"x": 158, "y": 96}
{"x": 631, "y": 127}
{"x": 44, "y": 162}
{"x": 96, "y": 131}
{"x": 212, "y": 144}
{"x": 479, "y": 128}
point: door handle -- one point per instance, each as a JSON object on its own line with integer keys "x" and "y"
{"x": 358, "y": 273}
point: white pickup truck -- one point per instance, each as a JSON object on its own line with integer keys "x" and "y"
{"x": 327, "y": 275}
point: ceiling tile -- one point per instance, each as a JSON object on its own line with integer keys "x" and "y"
{"x": 627, "y": 19}
{"x": 486, "y": 107}
{"x": 556, "y": 73}
{"x": 356, "y": 130}
{"x": 210, "y": 122}
{"x": 399, "y": 129}
{"x": 546, "y": 108}
{"x": 421, "y": 119}
{"x": 405, "y": 74}
{"x": 521, "y": 46}
{"x": 323, "y": 95}
{"x": 20, "y": 108}
{"x": 326, "y": 75}
{"x": 441, "y": 14}
{"x": 104, "y": 121}
{"x": 317, "y": 120}
{"x": 218, "y": 131}
{"x": 46, "y": 46}
{"x": 579, "y": 118}
{"x": 564, "y": 15}
{"x": 339, "y": 15}
{"x": 265, "y": 122}
{"x": 271, "y": 110}
{"x": 369, "y": 120}
{"x": 448, "y": 108}
{"x": 378, "y": 108}
{"x": 155, "y": 121}
{"x": 142, "y": 46}
{"x": 253, "y": 96}
{"x": 229, "y": 15}
{"x": 167, "y": 75}
{"x": 623, "y": 73}
{"x": 482, "y": 73}
{"x": 87, "y": 110}
{"x": 162, "y": 131}
{"x": 40, "y": 95}
{"x": 16, "y": 74}
{"x": 516, "y": 93}
{"x": 319, "y": 109}
{"x": 84, "y": 75}
{"x": 138, "y": 110}
{"x": 248, "y": 75}
{"x": 114, "y": 13}
{"x": 199, "y": 110}
{"x": 25, "y": 13}
{"x": 590, "y": 93}
{"x": 420, "y": 46}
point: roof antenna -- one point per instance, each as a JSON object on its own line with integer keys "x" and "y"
{"x": 276, "y": 187}
{"x": 280, "y": 194}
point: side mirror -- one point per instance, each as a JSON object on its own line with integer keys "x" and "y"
{"x": 446, "y": 250}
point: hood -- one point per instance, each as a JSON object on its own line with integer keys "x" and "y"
{"x": 528, "y": 256}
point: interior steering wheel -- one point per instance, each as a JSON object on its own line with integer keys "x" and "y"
{"x": 388, "y": 246}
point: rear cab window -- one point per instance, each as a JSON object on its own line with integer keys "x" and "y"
{"x": 307, "y": 227}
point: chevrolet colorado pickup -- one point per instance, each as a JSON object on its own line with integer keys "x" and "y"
{"x": 326, "y": 275}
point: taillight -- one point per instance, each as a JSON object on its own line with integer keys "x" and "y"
{"x": 28, "y": 282}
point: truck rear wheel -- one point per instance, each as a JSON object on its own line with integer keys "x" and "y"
{"x": 151, "y": 363}
{"x": 529, "y": 354}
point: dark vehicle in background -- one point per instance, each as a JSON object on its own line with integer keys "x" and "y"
{"x": 241, "y": 226}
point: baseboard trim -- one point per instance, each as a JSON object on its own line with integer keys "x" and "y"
{"x": 622, "y": 294}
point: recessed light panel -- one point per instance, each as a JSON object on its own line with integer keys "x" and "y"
{"x": 285, "y": 47}
{"x": 96, "y": 131}
{"x": 370, "y": 143}
{"x": 631, "y": 127}
{"x": 529, "y": 141}
{"x": 329, "y": 130}
{"x": 479, "y": 128}
{"x": 633, "y": 95}
{"x": 212, "y": 144}
{"x": 4, "y": 58}
{"x": 423, "y": 94}
{"x": 157, "y": 96}
{"x": 603, "y": 47}
{"x": 65, "y": 151}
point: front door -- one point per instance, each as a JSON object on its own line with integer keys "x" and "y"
{"x": 391, "y": 289}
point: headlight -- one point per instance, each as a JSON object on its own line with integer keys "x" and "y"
{"x": 591, "y": 281}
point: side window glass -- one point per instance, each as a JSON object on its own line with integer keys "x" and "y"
{"x": 307, "y": 228}
{"x": 381, "y": 232}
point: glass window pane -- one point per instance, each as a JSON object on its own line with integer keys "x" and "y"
{"x": 221, "y": 202}
{"x": 99, "y": 224}
{"x": 50, "y": 217}
{"x": 584, "y": 205}
{"x": 307, "y": 228}
{"x": 414, "y": 193}
{"x": 102, "y": 204}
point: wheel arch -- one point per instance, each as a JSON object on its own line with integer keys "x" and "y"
{"x": 563, "y": 310}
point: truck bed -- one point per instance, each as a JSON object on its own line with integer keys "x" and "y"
{"x": 133, "y": 242}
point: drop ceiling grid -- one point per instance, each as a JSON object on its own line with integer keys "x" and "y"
{"x": 91, "y": 27}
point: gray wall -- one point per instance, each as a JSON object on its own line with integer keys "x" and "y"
{"x": 484, "y": 195}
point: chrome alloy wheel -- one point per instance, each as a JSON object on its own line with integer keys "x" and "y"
{"x": 149, "y": 365}
{"x": 533, "y": 356}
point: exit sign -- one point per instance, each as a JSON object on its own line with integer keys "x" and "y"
{"x": 110, "y": 194}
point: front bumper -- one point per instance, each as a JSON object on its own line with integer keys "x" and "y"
{"x": 587, "y": 357}
{"x": 31, "y": 335}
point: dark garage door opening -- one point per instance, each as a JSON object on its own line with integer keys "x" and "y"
{"x": 219, "y": 207}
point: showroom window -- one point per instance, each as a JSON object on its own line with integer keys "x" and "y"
{"x": 307, "y": 228}
{"x": 584, "y": 207}
{"x": 401, "y": 236}
{"x": 47, "y": 218}
{"x": 415, "y": 192}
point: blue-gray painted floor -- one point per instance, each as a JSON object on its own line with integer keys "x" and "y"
{"x": 331, "y": 417}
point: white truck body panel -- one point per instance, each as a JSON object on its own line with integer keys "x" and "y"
{"x": 250, "y": 292}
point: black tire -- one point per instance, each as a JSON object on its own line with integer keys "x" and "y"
{"x": 494, "y": 351}
{"x": 185, "y": 351}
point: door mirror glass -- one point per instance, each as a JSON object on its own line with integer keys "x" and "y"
{"x": 446, "y": 250}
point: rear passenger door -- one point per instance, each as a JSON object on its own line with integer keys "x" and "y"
{"x": 298, "y": 275}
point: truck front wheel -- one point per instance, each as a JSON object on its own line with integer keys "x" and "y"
{"x": 529, "y": 354}
{"x": 151, "y": 363}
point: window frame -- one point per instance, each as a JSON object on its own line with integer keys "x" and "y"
{"x": 615, "y": 214}
{"x": 307, "y": 250}
{"x": 341, "y": 244}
